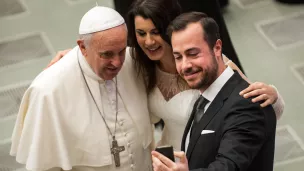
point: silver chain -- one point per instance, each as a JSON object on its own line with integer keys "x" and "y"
{"x": 116, "y": 112}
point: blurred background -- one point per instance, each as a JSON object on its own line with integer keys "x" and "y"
{"x": 267, "y": 35}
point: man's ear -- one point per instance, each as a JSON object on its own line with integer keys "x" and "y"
{"x": 217, "y": 49}
{"x": 82, "y": 47}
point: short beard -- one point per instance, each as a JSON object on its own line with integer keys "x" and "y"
{"x": 210, "y": 75}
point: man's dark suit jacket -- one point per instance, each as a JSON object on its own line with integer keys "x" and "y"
{"x": 244, "y": 133}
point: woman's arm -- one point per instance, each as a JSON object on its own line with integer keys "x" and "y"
{"x": 232, "y": 65}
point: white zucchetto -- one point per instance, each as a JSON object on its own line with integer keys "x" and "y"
{"x": 100, "y": 18}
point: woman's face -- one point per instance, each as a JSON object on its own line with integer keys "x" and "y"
{"x": 149, "y": 39}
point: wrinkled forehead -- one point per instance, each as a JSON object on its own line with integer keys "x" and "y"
{"x": 112, "y": 39}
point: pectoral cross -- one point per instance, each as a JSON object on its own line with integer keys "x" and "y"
{"x": 115, "y": 150}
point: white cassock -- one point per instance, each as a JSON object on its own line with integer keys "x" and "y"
{"x": 59, "y": 127}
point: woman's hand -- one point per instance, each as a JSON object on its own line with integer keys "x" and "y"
{"x": 264, "y": 92}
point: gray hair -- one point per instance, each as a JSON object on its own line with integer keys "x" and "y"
{"x": 86, "y": 38}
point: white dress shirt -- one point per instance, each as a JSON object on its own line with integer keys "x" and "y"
{"x": 211, "y": 92}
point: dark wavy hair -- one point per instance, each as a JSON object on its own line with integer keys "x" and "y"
{"x": 161, "y": 12}
{"x": 210, "y": 28}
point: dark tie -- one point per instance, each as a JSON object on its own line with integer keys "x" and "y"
{"x": 199, "y": 111}
{"x": 200, "y": 108}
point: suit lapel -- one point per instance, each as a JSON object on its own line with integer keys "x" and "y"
{"x": 188, "y": 126}
{"x": 212, "y": 110}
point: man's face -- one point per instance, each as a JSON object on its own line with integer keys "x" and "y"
{"x": 195, "y": 61}
{"x": 106, "y": 51}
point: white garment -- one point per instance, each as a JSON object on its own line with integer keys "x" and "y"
{"x": 59, "y": 126}
{"x": 211, "y": 92}
{"x": 279, "y": 105}
{"x": 174, "y": 112}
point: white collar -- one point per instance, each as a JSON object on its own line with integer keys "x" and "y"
{"x": 86, "y": 68}
{"x": 211, "y": 92}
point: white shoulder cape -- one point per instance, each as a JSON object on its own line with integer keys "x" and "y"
{"x": 55, "y": 126}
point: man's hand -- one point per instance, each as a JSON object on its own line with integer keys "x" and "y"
{"x": 262, "y": 91}
{"x": 162, "y": 163}
{"x": 58, "y": 56}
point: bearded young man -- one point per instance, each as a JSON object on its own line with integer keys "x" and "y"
{"x": 225, "y": 131}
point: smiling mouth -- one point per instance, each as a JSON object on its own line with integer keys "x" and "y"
{"x": 192, "y": 75}
{"x": 153, "y": 49}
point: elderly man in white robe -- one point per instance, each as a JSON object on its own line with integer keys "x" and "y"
{"x": 88, "y": 111}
